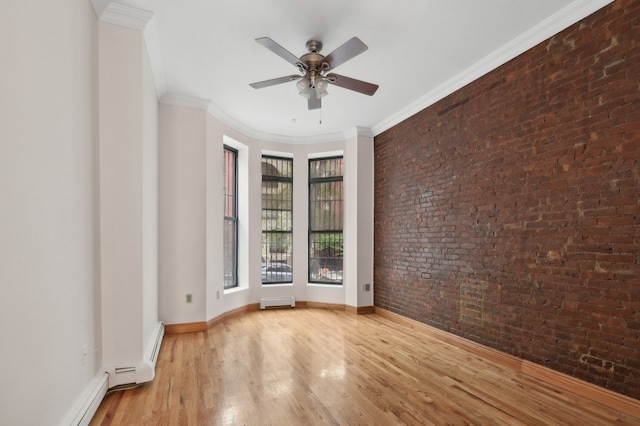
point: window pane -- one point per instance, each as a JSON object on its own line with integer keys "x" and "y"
{"x": 325, "y": 257}
{"x": 325, "y": 208}
{"x": 230, "y": 250}
{"x": 326, "y": 168}
{"x": 277, "y": 167}
{"x": 230, "y": 182}
{"x": 277, "y": 220}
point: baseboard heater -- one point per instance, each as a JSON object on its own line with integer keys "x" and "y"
{"x": 82, "y": 413}
{"x": 277, "y": 302}
{"x": 142, "y": 372}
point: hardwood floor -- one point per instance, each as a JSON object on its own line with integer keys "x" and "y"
{"x": 318, "y": 367}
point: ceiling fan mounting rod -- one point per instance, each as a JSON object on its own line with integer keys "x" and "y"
{"x": 314, "y": 46}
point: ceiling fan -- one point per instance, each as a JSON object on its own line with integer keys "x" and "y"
{"x": 315, "y": 69}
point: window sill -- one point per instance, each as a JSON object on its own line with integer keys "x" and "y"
{"x": 278, "y": 285}
{"x": 325, "y": 285}
{"x": 235, "y": 290}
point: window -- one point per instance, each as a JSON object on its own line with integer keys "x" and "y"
{"x": 277, "y": 220}
{"x": 325, "y": 220}
{"x": 230, "y": 218}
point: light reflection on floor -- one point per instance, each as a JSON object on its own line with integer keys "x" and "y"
{"x": 335, "y": 372}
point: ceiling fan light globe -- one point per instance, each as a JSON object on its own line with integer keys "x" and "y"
{"x": 321, "y": 86}
{"x": 303, "y": 85}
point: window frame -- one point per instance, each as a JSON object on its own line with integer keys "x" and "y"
{"x": 230, "y": 219}
{"x": 267, "y": 262}
{"x": 311, "y": 182}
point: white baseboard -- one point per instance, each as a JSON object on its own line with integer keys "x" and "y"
{"x": 88, "y": 403}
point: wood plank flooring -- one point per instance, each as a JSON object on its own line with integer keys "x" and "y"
{"x": 324, "y": 367}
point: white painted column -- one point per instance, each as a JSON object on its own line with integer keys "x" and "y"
{"x": 358, "y": 226}
{"x": 128, "y": 193}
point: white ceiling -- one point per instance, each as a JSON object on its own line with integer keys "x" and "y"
{"x": 419, "y": 51}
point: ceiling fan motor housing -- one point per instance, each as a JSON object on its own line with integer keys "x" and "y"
{"x": 313, "y": 59}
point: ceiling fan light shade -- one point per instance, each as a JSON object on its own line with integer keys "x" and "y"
{"x": 304, "y": 85}
{"x": 321, "y": 85}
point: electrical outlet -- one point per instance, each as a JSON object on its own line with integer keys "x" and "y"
{"x": 189, "y": 298}
{"x": 85, "y": 354}
{"x": 366, "y": 287}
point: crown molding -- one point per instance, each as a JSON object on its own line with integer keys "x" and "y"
{"x": 358, "y": 131}
{"x": 99, "y": 6}
{"x": 178, "y": 99}
{"x": 227, "y": 120}
{"x": 137, "y": 19}
{"x": 123, "y": 15}
{"x": 154, "y": 53}
{"x": 551, "y": 26}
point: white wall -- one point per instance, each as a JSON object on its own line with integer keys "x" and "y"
{"x": 121, "y": 192}
{"x": 182, "y": 182}
{"x": 214, "y": 207}
{"x": 149, "y": 205}
{"x": 49, "y": 240}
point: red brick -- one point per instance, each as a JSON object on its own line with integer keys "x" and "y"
{"x": 509, "y": 211}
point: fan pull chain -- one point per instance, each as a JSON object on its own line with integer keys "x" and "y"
{"x": 320, "y": 109}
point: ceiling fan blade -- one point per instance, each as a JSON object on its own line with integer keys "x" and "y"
{"x": 352, "y": 84}
{"x": 342, "y": 54}
{"x": 274, "y": 81}
{"x": 280, "y": 51}
{"x": 314, "y": 100}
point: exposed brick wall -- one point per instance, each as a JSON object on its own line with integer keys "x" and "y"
{"x": 509, "y": 212}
